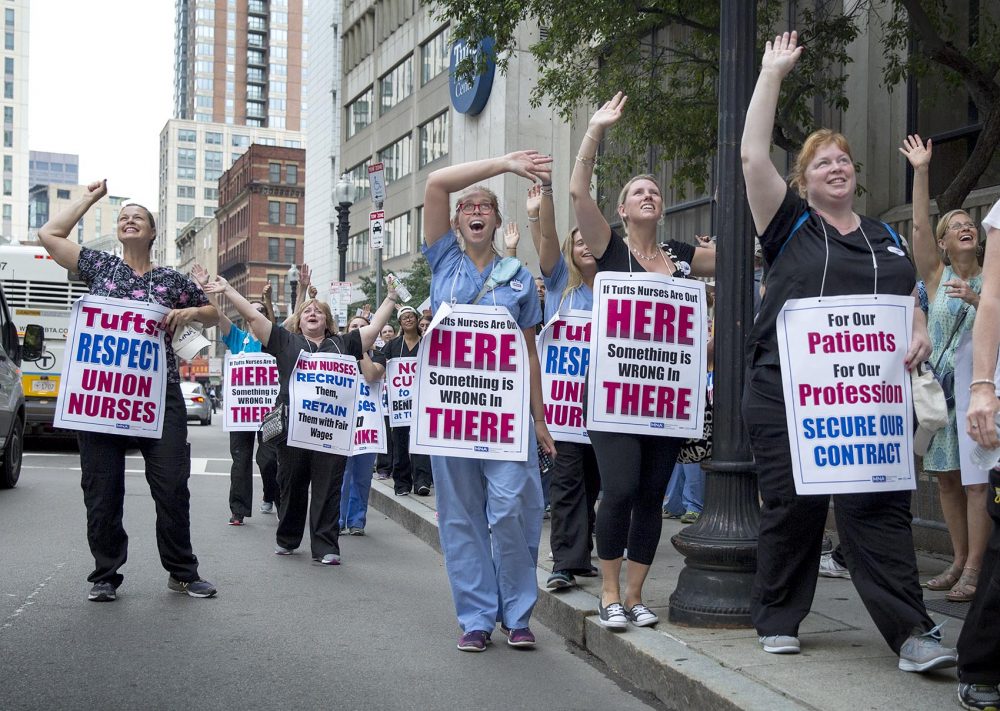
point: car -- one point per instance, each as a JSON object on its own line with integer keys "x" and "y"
{"x": 11, "y": 399}
{"x": 199, "y": 407}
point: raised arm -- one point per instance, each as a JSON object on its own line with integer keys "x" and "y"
{"x": 265, "y": 298}
{"x": 445, "y": 181}
{"x": 703, "y": 262}
{"x": 765, "y": 187}
{"x": 258, "y": 323}
{"x": 201, "y": 276}
{"x": 548, "y": 242}
{"x": 594, "y": 229}
{"x": 380, "y": 318}
{"x": 925, "y": 251}
{"x": 53, "y": 233}
{"x": 511, "y": 238}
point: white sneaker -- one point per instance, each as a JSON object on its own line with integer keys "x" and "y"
{"x": 924, "y": 652}
{"x": 780, "y": 644}
{"x": 829, "y": 568}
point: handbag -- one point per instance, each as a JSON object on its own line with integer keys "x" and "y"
{"x": 947, "y": 377}
{"x": 274, "y": 425}
{"x": 696, "y": 450}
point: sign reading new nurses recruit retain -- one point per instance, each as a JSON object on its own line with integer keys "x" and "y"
{"x": 847, "y": 395}
{"x": 648, "y": 355}
{"x": 564, "y": 353}
{"x": 115, "y": 376}
{"x": 249, "y": 388}
{"x": 400, "y": 376}
{"x": 472, "y": 400}
{"x": 321, "y": 398}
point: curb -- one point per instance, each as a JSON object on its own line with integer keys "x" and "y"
{"x": 661, "y": 664}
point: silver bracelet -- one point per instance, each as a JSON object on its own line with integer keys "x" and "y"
{"x": 532, "y": 219}
{"x": 981, "y": 381}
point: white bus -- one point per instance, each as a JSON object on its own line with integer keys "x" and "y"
{"x": 39, "y": 291}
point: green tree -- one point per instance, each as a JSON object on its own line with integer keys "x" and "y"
{"x": 417, "y": 280}
{"x": 665, "y": 55}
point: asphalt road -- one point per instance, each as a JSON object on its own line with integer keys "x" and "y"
{"x": 375, "y": 633}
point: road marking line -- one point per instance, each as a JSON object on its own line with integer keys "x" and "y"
{"x": 9, "y": 621}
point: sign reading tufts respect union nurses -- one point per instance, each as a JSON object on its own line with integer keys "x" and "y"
{"x": 470, "y": 97}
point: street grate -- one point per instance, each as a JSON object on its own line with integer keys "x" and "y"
{"x": 957, "y": 610}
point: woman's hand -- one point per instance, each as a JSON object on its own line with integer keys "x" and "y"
{"x": 609, "y": 113}
{"x": 959, "y": 289}
{"x": 200, "y": 275}
{"x": 217, "y": 286}
{"x": 983, "y": 406}
{"x": 511, "y": 236}
{"x": 97, "y": 190}
{"x": 177, "y": 319}
{"x": 528, "y": 164}
{"x": 545, "y": 440}
{"x": 534, "y": 202}
{"x": 781, "y": 55}
{"x": 920, "y": 348}
{"x": 916, "y": 152}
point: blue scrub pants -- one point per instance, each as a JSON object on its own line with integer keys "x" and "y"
{"x": 686, "y": 490}
{"x": 354, "y": 493}
{"x": 492, "y": 578}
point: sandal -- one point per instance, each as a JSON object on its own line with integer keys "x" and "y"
{"x": 945, "y": 580}
{"x": 965, "y": 588}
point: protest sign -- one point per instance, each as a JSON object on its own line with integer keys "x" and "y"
{"x": 564, "y": 354}
{"x": 847, "y": 395}
{"x": 321, "y": 398}
{"x": 473, "y": 390}
{"x": 369, "y": 427}
{"x": 115, "y": 376}
{"x": 249, "y": 388}
{"x": 400, "y": 378}
{"x": 648, "y": 355}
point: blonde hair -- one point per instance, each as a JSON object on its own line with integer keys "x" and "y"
{"x": 942, "y": 229}
{"x": 815, "y": 141}
{"x": 624, "y": 192}
{"x": 296, "y": 317}
{"x": 575, "y": 278}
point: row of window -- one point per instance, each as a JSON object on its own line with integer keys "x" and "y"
{"x": 397, "y": 84}
{"x": 398, "y": 156}
{"x": 274, "y": 250}
{"x": 274, "y": 212}
{"x": 185, "y": 213}
{"x": 399, "y": 239}
{"x": 189, "y": 192}
{"x": 291, "y": 173}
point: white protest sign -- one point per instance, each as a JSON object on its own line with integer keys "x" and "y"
{"x": 564, "y": 354}
{"x": 321, "y": 395}
{"x": 369, "y": 428}
{"x": 648, "y": 357}
{"x": 400, "y": 379}
{"x": 376, "y": 181}
{"x": 472, "y": 395}
{"x": 376, "y": 223}
{"x": 249, "y": 388}
{"x": 114, "y": 379}
{"x": 340, "y": 299}
{"x": 847, "y": 395}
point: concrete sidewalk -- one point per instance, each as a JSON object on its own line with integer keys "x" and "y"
{"x": 844, "y": 664}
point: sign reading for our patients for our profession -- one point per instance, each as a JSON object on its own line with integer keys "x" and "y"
{"x": 648, "y": 358}
{"x": 115, "y": 376}
{"x": 400, "y": 377}
{"x": 369, "y": 427}
{"x": 250, "y": 387}
{"x": 321, "y": 396}
{"x": 847, "y": 394}
{"x": 564, "y": 352}
{"x": 472, "y": 398}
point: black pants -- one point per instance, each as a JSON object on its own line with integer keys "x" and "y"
{"x": 241, "y": 473}
{"x": 573, "y": 490}
{"x": 409, "y": 471}
{"x": 979, "y": 643}
{"x": 635, "y": 471}
{"x": 874, "y": 528}
{"x": 383, "y": 461}
{"x": 298, "y": 470}
{"x": 168, "y": 466}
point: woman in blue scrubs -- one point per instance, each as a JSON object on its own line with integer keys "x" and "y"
{"x": 489, "y": 512}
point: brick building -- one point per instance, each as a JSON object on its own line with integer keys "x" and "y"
{"x": 260, "y": 222}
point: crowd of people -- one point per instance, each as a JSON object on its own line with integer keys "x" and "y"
{"x": 812, "y": 245}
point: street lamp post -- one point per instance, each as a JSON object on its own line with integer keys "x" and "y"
{"x": 720, "y": 550}
{"x": 293, "y": 284}
{"x": 343, "y": 196}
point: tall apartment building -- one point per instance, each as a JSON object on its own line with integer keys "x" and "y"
{"x": 260, "y": 222}
{"x": 240, "y": 62}
{"x": 45, "y": 168}
{"x": 193, "y": 156}
{"x": 14, "y": 198}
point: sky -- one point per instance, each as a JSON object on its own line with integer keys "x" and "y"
{"x": 100, "y": 85}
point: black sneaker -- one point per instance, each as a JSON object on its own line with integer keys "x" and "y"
{"x": 613, "y": 616}
{"x": 102, "y": 592}
{"x": 195, "y": 588}
{"x": 236, "y": 520}
{"x": 402, "y": 492}
{"x": 423, "y": 491}
{"x": 979, "y": 697}
{"x": 559, "y": 580}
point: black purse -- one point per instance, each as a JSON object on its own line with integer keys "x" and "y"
{"x": 697, "y": 450}
{"x": 274, "y": 425}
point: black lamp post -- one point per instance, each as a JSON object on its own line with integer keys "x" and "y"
{"x": 343, "y": 196}
{"x": 293, "y": 284}
{"x": 720, "y": 550}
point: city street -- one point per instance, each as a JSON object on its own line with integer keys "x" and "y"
{"x": 375, "y": 633}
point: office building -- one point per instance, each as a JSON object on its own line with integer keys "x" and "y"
{"x": 45, "y": 168}
{"x": 14, "y": 198}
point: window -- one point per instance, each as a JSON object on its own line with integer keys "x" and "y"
{"x": 8, "y": 90}
{"x": 255, "y": 56}
{"x": 396, "y": 85}
{"x": 210, "y": 193}
{"x": 397, "y": 158}
{"x": 433, "y": 57}
{"x": 290, "y": 251}
{"x": 359, "y": 113}
{"x": 273, "y": 212}
{"x": 434, "y": 139}
{"x": 8, "y": 40}
{"x": 277, "y": 87}
{"x": 209, "y": 211}
{"x": 213, "y": 165}
{"x": 185, "y": 213}
{"x": 397, "y": 236}
{"x": 62, "y": 194}
{"x": 274, "y": 172}
{"x": 185, "y": 191}
{"x": 291, "y": 174}
{"x": 8, "y": 17}
{"x": 214, "y": 138}
{"x": 8, "y": 65}
{"x": 291, "y": 212}
{"x": 8, "y": 138}
{"x": 8, "y": 116}
{"x": 186, "y": 163}
{"x": 359, "y": 176}
{"x": 240, "y": 141}
{"x": 273, "y": 245}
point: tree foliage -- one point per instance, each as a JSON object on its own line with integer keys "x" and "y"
{"x": 417, "y": 280}
{"x": 665, "y": 55}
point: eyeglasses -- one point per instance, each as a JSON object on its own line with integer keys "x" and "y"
{"x": 956, "y": 226}
{"x": 468, "y": 208}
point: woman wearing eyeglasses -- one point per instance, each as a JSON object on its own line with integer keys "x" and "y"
{"x": 489, "y": 511}
{"x": 949, "y": 266}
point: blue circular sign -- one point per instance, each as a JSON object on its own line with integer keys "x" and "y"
{"x": 470, "y": 97}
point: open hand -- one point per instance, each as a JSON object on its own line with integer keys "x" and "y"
{"x": 528, "y": 164}
{"x": 916, "y": 152}
{"x": 216, "y": 286}
{"x": 511, "y": 236}
{"x": 200, "y": 274}
{"x": 781, "y": 55}
{"x": 609, "y": 113}
{"x": 534, "y": 201}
